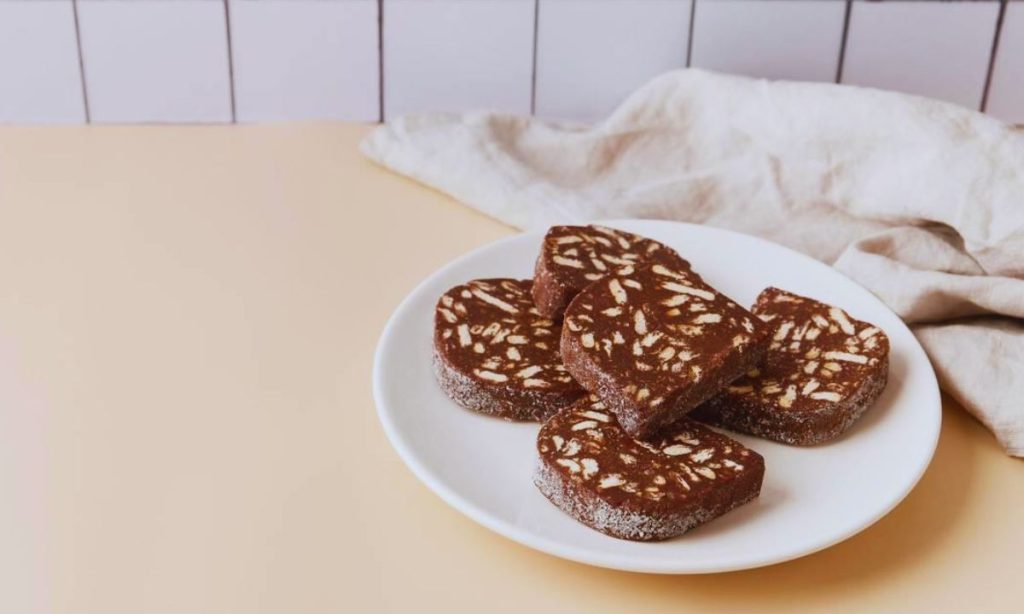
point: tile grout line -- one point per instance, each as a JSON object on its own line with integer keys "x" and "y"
{"x": 993, "y": 56}
{"x": 231, "y": 62}
{"x": 689, "y": 35}
{"x": 81, "y": 62}
{"x": 842, "y": 41}
{"x": 533, "y": 78}
{"x": 380, "y": 61}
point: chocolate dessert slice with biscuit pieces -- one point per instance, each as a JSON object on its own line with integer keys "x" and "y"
{"x": 573, "y": 257}
{"x": 656, "y": 343}
{"x": 822, "y": 371}
{"x": 641, "y": 490}
{"x": 496, "y": 354}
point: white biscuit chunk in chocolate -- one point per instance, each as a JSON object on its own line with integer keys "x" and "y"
{"x": 822, "y": 371}
{"x": 496, "y": 354}
{"x": 641, "y": 490}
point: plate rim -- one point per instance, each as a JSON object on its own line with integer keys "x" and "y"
{"x": 614, "y": 561}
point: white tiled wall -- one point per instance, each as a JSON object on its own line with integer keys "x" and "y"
{"x": 781, "y": 39}
{"x": 260, "y": 60}
{"x": 155, "y": 60}
{"x": 449, "y": 55}
{"x": 48, "y": 88}
{"x": 590, "y": 56}
{"x": 305, "y": 58}
{"x": 1006, "y": 95}
{"x": 936, "y": 49}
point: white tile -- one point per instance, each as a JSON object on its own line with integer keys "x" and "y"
{"x": 155, "y": 60}
{"x": 39, "y": 76}
{"x": 936, "y": 49}
{"x": 305, "y": 59}
{"x": 778, "y": 39}
{"x": 1006, "y": 94}
{"x": 457, "y": 55}
{"x": 589, "y": 56}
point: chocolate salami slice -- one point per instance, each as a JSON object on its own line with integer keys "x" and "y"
{"x": 656, "y": 343}
{"x": 496, "y": 354}
{"x": 822, "y": 371}
{"x": 641, "y": 490}
{"x": 573, "y": 257}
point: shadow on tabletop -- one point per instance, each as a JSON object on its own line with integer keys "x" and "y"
{"x": 906, "y": 535}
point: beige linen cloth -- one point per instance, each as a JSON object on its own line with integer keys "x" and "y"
{"x": 920, "y": 201}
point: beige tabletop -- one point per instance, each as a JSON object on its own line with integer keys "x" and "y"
{"x": 187, "y": 320}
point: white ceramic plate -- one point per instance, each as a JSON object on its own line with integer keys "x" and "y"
{"x": 811, "y": 498}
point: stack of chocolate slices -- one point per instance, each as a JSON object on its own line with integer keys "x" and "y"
{"x": 624, "y": 353}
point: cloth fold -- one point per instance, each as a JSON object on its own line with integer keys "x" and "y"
{"x": 920, "y": 201}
